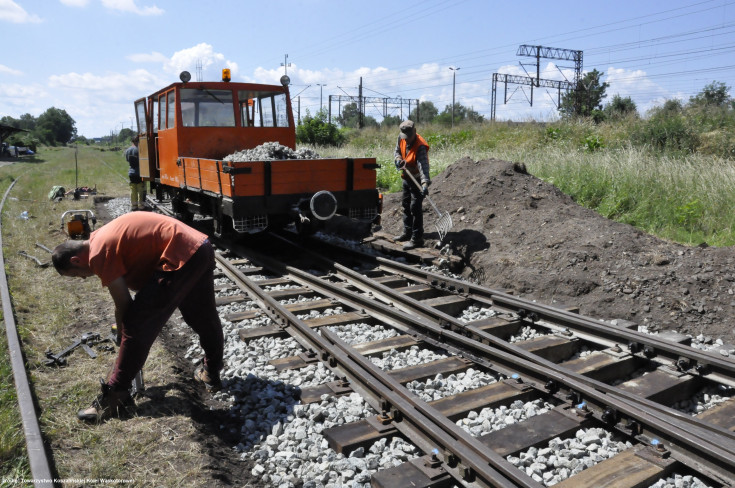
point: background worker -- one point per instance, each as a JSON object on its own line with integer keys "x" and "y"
{"x": 137, "y": 185}
{"x": 412, "y": 154}
{"x": 171, "y": 266}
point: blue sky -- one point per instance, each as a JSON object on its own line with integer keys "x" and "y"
{"x": 93, "y": 58}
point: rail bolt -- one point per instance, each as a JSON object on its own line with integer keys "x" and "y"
{"x": 683, "y": 364}
{"x": 609, "y": 416}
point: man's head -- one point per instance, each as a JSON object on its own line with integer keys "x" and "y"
{"x": 135, "y": 140}
{"x": 408, "y": 130}
{"x": 71, "y": 258}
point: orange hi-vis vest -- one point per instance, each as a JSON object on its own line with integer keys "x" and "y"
{"x": 410, "y": 157}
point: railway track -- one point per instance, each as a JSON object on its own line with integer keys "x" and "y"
{"x": 346, "y": 368}
{"x": 587, "y": 383}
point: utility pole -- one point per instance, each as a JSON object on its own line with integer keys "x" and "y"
{"x": 285, "y": 65}
{"x": 360, "y": 107}
{"x": 321, "y": 86}
{"x": 454, "y": 78}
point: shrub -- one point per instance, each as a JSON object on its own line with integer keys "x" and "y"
{"x": 316, "y": 130}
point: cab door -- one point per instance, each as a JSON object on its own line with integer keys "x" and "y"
{"x": 146, "y": 144}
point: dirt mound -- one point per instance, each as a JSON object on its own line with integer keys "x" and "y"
{"x": 519, "y": 233}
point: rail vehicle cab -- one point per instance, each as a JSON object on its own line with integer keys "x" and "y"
{"x": 186, "y": 130}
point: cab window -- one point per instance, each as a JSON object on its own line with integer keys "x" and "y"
{"x": 207, "y": 108}
{"x": 171, "y": 110}
{"x": 162, "y": 112}
{"x": 140, "y": 114}
{"x": 263, "y": 109}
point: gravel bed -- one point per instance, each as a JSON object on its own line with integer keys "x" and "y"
{"x": 394, "y": 359}
{"x": 440, "y": 387}
{"x": 705, "y": 399}
{"x": 563, "y": 458}
{"x": 679, "y": 481}
{"x": 317, "y": 314}
{"x": 474, "y": 313}
{"x": 492, "y": 419}
{"x": 360, "y": 332}
{"x": 526, "y": 334}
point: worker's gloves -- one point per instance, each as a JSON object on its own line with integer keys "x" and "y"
{"x": 425, "y": 189}
{"x": 400, "y": 164}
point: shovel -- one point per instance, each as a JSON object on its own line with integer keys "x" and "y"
{"x": 444, "y": 222}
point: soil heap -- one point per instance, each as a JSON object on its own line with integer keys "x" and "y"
{"x": 518, "y": 233}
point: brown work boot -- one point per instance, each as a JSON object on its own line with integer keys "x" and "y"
{"x": 110, "y": 403}
{"x": 211, "y": 381}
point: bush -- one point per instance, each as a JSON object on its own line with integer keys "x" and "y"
{"x": 316, "y": 130}
{"x": 667, "y": 131}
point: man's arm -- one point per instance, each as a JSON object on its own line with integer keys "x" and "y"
{"x": 121, "y": 296}
{"x": 422, "y": 158}
{"x": 398, "y": 158}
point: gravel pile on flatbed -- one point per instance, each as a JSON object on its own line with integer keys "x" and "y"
{"x": 271, "y": 151}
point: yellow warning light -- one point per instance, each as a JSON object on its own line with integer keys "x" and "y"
{"x": 226, "y": 75}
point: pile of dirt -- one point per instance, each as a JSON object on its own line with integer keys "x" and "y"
{"x": 521, "y": 234}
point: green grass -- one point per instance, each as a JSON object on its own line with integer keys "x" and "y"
{"x": 40, "y": 322}
{"x": 675, "y": 194}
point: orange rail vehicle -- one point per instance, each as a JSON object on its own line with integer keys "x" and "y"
{"x": 188, "y": 128}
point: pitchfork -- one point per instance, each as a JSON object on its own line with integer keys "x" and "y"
{"x": 444, "y": 222}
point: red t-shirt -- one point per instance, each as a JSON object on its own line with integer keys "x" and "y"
{"x": 137, "y": 244}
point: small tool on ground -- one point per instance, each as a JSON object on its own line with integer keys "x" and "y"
{"x": 444, "y": 222}
{"x": 87, "y": 340}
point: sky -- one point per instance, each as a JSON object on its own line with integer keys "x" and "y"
{"x": 94, "y": 58}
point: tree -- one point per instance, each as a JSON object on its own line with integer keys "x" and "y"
{"x": 350, "y": 117}
{"x": 125, "y": 134}
{"x": 586, "y": 100}
{"x": 426, "y": 113}
{"x": 55, "y": 126}
{"x": 716, "y": 94}
{"x": 391, "y": 121}
{"x": 461, "y": 114}
{"x": 620, "y": 107}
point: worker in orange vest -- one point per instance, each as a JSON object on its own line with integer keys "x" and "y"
{"x": 412, "y": 154}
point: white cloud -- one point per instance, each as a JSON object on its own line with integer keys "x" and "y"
{"x": 12, "y": 12}
{"x": 75, "y": 3}
{"x": 9, "y": 71}
{"x": 131, "y": 7}
{"x": 211, "y": 62}
{"x": 153, "y": 57}
{"x": 119, "y": 86}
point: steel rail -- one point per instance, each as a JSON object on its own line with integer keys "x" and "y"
{"x": 459, "y": 287}
{"x": 716, "y": 363}
{"x": 426, "y": 420}
{"x": 590, "y": 382}
{"x": 37, "y": 456}
{"x": 718, "y": 444}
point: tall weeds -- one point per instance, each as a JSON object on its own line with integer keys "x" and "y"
{"x": 672, "y": 176}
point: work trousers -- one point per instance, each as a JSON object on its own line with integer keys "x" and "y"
{"x": 137, "y": 195}
{"x": 191, "y": 290}
{"x": 413, "y": 215}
